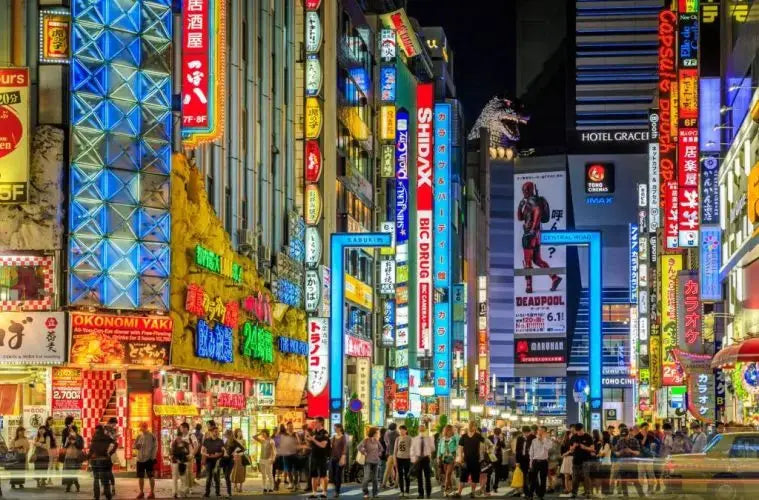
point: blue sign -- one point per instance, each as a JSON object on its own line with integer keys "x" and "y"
{"x": 441, "y": 240}
{"x": 599, "y": 200}
{"x": 633, "y": 263}
{"x": 710, "y": 261}
{"x": 388, "y": 323}
{"x": 387, "y": 83}
{"x": 213, "y": 343}
{"x": 401, "y": 177}
{"x": 361, "y": 79}
{"x": 292, "y": 346}
{"x": 709, "y": 138}
{"x": 710, "y": 189}
{"x": 401, "y": 378}
{"x": 289, "y": 293}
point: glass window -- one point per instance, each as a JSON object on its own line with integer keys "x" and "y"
{"x": 616, "y": 313}
{"x": 745, "y": 447}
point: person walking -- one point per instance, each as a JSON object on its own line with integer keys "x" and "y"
{"x": 446, "y": 451}
{"x": 469, "y": 458}
{"x": 523, "y": 456}
{"x": 231, "y": 449}
{"x": 487, "y": 449}
{"x": 73, "y": 456}
{"x": 320, "y": 454}
{"x": 212, "y": 451}
{"x": 112, "y": 429}
{"x": 102, "y": 447}
{"x": 147, "y": 450}
{"x": 582, "y": 448}
{"x": 388, "y": 479}
{"x": 604, "y": 452}
{"x": 179, "y": 454}
{"x": 500, "y": 467}
{"x": 698, "y": 438}
{"x": 193, "y": 447}
{"x": 628, "y": 447}
{"x": 338, "y": 457}
{"x": 650, "y": 449}
{"x": 267, "y": 455}
{"x": 402, "y": 454}
{"x": 422, "y": 448}
{"x": 288, "y": 446}
{"x": 41, "y": 455}
{"x": 240, "y": 461}
{"x": 371, "y": 448}
{"x": 54, "y": 451}
{"x": 566, "y": 462}
{"x": 539, "y": 450}
{"x": 20, "y": 446}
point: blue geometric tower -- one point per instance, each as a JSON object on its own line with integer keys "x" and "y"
{"x": 119, "y": 223}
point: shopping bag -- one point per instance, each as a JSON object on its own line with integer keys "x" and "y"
{"x": 517, "y": 481}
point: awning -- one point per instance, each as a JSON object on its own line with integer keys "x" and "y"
{"x": 746, "y": 351}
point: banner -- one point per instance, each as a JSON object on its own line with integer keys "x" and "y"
{"x": 671, "y": 265}
{"x": 378, "y": 396}
{"x": 667, "y": 126}
{"x": 318, "y": 367}
{"x": 710, "y": 261}
{"x": 118, "y": 340}
{"x": 424, "y": 196}
{"x": 539, "y": 297}
{"x": 545, "y": 350}
{"x": 442, "y": 245}
{"x": 35, "y": 338}
{"x": 689, "y": 313}
{"x": 14, "y": 135}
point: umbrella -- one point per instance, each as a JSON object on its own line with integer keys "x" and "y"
{"x": 742, "y": 352}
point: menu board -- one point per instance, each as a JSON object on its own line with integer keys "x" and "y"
{"x": 120, "y": 340}
{"x": 140, "y": 409}
{"x": 67, "y": 393}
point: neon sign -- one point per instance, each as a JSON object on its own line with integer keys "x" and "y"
{"x": 288, "y": 345}
{"x": 667, "y": 147}
{"x": 199, "y": 303}
{"x": 213, "y": 343}
{"x": 217, "y": 264}
{"x": 424, "y": 196}
{"x": 257, "y": 343}
{"x": 442, "y": 244}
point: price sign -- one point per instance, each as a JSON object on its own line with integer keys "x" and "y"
{"x": 67, "y": 392}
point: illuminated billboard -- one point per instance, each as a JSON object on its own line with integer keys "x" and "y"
{"x": 424, "y": 196}
{"x": 442, "y": 244}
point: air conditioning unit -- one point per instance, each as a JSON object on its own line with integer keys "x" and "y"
{"x": 264, "y": 255}
{"x": 247, "y": 237}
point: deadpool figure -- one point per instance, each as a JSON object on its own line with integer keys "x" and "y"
{"x": 530, "y": 212}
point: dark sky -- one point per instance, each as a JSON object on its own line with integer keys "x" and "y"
{"x": 481, "y": 35}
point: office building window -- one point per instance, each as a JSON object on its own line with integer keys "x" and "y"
{"x": 616, "y": 313}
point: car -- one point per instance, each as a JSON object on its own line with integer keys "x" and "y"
{"x": 727, "y": 470}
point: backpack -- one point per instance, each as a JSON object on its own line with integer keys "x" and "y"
{"x": 545, "y": 209}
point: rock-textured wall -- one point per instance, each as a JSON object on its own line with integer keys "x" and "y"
{"x": 38, "y": 224}
{"x": 194, "y": 222}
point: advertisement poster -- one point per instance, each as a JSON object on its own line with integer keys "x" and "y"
{"x": 67, "y": 392}
{"x": 56, "y": 32}
{"x": 671, "y": 266}
{"x": 33, "y": 338}
{"x": 119, "y": 340}
{"x": 548, "y": 350}
{"x": 318, "y": 367}
{"x": 14, "y": 135}
{"x": 539, "y": 271}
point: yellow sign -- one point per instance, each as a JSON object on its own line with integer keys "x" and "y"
{"x": 673, "y": 109}
{"x": 671, "y": 265}
{"x": 753, "y": 195}
{"x": 175, "y": 410}
{"x": 387, "y": 123}
{"x": 14, "y": 135}
{"x": 313, "y": 205}
{"x": 55, "y": 34}
{"x": 654, "y": 361}
{"x": 358, "y": 293}
{"x": 313, "y": 118}
{"x": 387, "y": 167}
{"x": 349, "y": 117}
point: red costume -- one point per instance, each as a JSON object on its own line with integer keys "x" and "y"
{"x": 530, "y": 212}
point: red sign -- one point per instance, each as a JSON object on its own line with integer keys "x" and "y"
{"x": 688, "y": 185}
{"x": 230, "y": 400}
{"x": 483, "y": 383}
{"x": 119, "y": 340}
{"x": 400, "y": 403}
{"x": 692, "y": 307}
{"x": 312, "y": 4}
{"x": 318, "y": 367}
{"x": 313, "y": 161}
{"x": 390, "y": 389}
{"x": 199, "y": 303}
{"x": 358, "y": 348}
{"x": 667, "y": 147}
{"x": 67, "y": 392}
{"x": 258, "y": 305}
{"x": 196, "y": 83}
{"x": 424, "y": 150}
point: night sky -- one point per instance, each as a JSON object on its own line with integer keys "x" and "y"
{"x": 481, "y": 35}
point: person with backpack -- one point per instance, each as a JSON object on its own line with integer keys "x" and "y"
{"x": 533, "y": 211}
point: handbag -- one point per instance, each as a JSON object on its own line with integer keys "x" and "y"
{"x": 245, "y": 460}
{"x": 360, "y": 458}
{"x": 517, "y": 481}
{"x": 414, "y": 470}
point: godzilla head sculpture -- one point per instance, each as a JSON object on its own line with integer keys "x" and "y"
{"x": 502, "y": 120}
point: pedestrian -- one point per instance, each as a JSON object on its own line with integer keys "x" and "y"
{"x": 54, "y": 452}
{"x": 539, "y": 451}
{"x": 698, "y": 438}
{"x": 102, "y": 448}
{"x": 320, "y": 453}
{"x": 446, "y": 451}
{"x": 303, "y": 458}
{"x": 227, "y": 462}
{"x": 650, "y": 448}
{"x": 487, "y": 449}
{"x": 468, "y": 456}
{"x": 212, "y": 451}
{"x": 267, "y": 455}
{"x": 193, "y": 447}
{"x": 719, "y": 428}
{"x": 402, "y": 453}
{"x": 500, "y": 467}
{"x": 658, "y": 431}
{"x": 581, "y": 445}
{"x": 523, "y": 456}
{"x": 566, "y": 462}
{"x": 371, "y": 448}
{"x": 422, "y": 448}
{"x": 198, "y": 433}
{"x": 73, "y": 456}
{"x": 288, "y": 447}
{"x": 388, "y": 479}
{"x": 112, "y": 430}
{"x": 681, "y": 443}
{"x": 240, "y": 461}
{"x": 41, "y": 455}
{"x": 604, "y": 452}
{"x": 628, "y": 447}
{"x": 147, "y": 450}
{"x": 338, "y": 457}
{"x": 20, "y": 447}
{"x": 179, "y": 455}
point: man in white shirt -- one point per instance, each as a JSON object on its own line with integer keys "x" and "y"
{"x": 539, "y": 452}
{"x": 422, "y": 448}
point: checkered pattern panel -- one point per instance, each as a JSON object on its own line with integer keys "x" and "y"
{"x": 46, "y": 263}
{"x": 121, "y": 409}
{"x": 98, "y": 387}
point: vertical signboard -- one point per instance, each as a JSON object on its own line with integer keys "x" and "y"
{"x": 424, "y": 196}
{"x": 402, "y": 201}
{"x": 688, "y": 163}
{"x": 710, "y": 261}
{"x": 539, "y": 298}
{"x": 483, "y": 340}
{"x": 654, "y": 213}
{"x": 442, "y": 250}
{"x": 671, "y": 265}
{"x": 667, "y": 147}
{"x": 634, "y": 269}
{"x": 689, "y": 313}
{"x": 14, "y": 135}
{"x": 710, "y": 188}
{"x": 318, "y": 367}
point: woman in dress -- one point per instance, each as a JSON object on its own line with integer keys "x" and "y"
{"x": 447, "y": 447}
{"x": 72, "y": 459}
{"x": 41, "y": 454}
{"x": 180, "y": 455}
{"x": 239, "y": 465}
{"x": 21, "y": 446}
{"x": 231, "y": 448}
{"x": 566, "y": 462}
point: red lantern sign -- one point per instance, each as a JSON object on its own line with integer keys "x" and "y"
{"x": 313, "y": 161}
{"x": 313, "y": 4}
